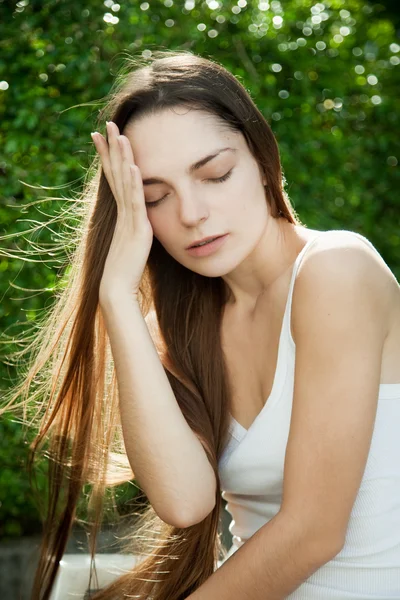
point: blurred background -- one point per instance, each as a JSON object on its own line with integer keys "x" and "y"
{"x": 326, "y": 77}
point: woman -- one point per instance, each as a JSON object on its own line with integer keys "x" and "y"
{"x": 200, "y": 337}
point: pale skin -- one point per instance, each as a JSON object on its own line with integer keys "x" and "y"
{"x": 345, "y": 323}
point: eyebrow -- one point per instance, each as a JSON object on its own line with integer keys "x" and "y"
{"x": 197, "y": 165}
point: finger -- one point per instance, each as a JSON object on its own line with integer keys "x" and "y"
{"x": 127, "y": 148}
{"x": 103, "y": 150}
{"x": 136, "y": 174}
{"x": 115, "y": 159}
{"x": 133, "y": 185}
{"x": 127, "y": 176}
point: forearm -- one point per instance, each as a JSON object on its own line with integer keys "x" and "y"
{"x": 166, "y": 456}
{"x": 274, "y": 562}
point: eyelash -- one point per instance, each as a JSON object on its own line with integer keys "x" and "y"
{"x": 217, "y": 180}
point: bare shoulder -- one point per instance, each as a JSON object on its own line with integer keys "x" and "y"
{"x": 341, "y": 252}
{"x": 339, "y": 244}
{"x": 342, "y": 262}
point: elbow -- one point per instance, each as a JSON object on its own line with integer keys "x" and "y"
{"x": 200, "y": 516}
{"x": 191, "y": 510}
{"x": 183, "y": 519}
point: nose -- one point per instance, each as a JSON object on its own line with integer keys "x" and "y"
{"x": 192, "y": 208}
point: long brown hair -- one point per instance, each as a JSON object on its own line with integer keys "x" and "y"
{"x": 77, "y": 419}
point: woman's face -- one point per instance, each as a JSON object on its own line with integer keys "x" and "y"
{"x": 183, "y": 204}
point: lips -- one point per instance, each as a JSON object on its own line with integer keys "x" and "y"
{"x": 208, "y": 248}
{"x": 204, "y": 240}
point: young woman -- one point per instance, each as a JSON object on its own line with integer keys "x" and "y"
{"x": 262, "y": 367}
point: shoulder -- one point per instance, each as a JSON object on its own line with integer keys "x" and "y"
{"x": 335, "y": 248}
{"x": 340, "y": 270}
{"x": 341, "y": 255}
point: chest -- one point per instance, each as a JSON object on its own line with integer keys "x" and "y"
{"x": 250, "y": 349}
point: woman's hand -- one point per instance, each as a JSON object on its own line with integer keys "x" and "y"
{"x": 133, "y": 234}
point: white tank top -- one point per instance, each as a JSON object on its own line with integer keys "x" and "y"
{"x": 251, "y": 472}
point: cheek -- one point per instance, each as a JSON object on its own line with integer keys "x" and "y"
{"x": 162, "y": 230}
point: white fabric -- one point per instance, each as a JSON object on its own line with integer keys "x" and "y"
{"x": 72, "y": 580}
{"x": 251, "y": 472}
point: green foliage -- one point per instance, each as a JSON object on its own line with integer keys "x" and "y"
{"x": 325, "y": 75}
{"x": 18, "y": 513}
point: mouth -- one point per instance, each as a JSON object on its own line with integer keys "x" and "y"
{"x": 209, "y": 247}
{"x": 204, "y": 241}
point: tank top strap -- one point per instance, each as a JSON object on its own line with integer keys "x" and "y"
{"x": 296, "y": 266}
{"x": 297, "y": 263}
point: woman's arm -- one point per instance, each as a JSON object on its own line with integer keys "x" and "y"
{"x": 340, "y": 329}
{"x": 167, "y": 458}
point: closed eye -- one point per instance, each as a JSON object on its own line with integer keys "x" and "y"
{"x": 217, "y": 180}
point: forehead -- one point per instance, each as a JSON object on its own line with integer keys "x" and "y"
{"x": 174, "y": 139}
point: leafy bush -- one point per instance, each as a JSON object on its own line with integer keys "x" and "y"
{"x": 325, "y": 76}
